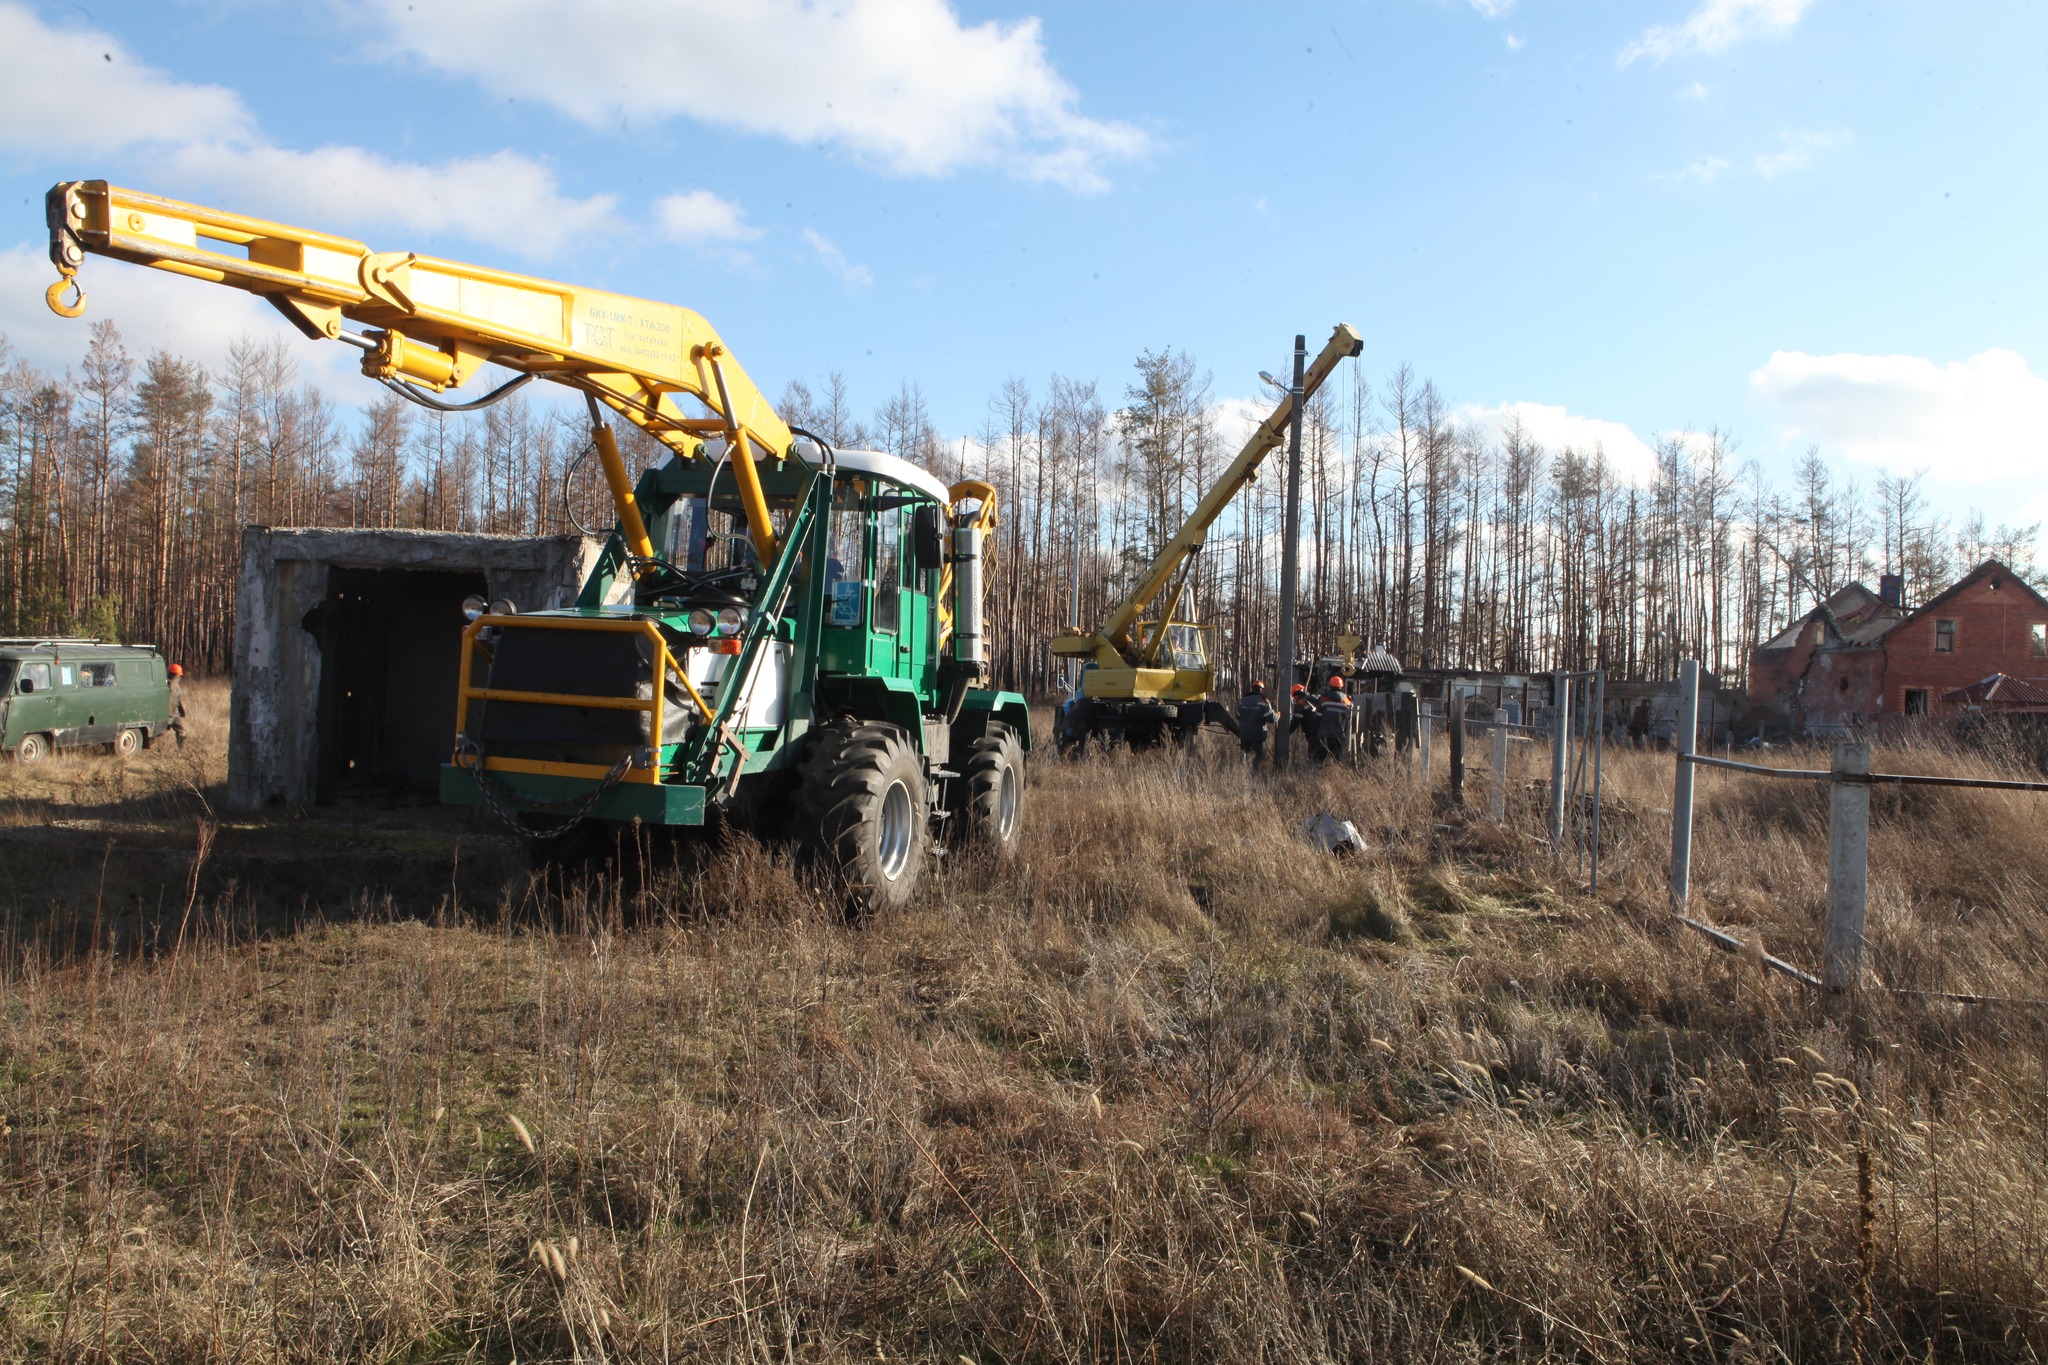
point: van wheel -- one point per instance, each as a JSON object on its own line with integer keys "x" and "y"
{"x": 127, "y": 744}
{"x": 32, "y": 750}
{"x": 865, "y": 810}
{"x": 990, "y": 793}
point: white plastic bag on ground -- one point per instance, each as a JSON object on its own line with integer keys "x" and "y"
{"x": 1330, "y": 834}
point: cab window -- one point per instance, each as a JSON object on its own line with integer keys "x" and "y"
{"x": 888, "y": 568}
{"x": 35, "y": 678}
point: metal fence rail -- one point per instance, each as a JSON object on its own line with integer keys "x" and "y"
{"x": 1850, "y": 780}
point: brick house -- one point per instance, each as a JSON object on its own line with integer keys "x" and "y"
{"x": 1862, "y": 657}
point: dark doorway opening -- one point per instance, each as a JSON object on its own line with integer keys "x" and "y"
{"x": 390, "y": 655}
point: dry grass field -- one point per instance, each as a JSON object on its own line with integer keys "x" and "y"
{"x": 1173, "y": 1086}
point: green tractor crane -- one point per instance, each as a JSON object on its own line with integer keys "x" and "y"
{"x": 785, "y": 634}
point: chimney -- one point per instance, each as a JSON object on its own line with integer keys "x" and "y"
{"x": 1891, "y": 589}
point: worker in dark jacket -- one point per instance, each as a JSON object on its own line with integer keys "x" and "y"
{"x": 1333, "y": 720}
{"x": 1255, "y": 717}
{"x": 1305, "y": 714}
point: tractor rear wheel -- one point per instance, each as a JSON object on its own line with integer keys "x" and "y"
{"x": 989, "y": 802}
{"x": 865, "y": 809}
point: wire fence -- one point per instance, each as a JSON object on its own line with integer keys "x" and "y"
{"x": 1849, "y": 779}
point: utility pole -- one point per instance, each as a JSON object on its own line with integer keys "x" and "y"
{"x": 1290, "y": 557}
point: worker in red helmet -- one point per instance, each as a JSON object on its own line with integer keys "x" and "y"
{"x": 177, "y": 725}
{"x": 1304, "y": 707}
{"x": 1255, "y": 717}
{"x": 1334, "y": 713}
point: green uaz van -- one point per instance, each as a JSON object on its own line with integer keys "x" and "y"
{"x": 59, "y": 694}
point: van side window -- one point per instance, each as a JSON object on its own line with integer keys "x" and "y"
{"x": 96, "y": 675}
{"x": 35, "y": 677}
{"x": 64, "y": 675}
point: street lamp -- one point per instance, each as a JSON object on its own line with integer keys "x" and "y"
{"x": 1290, "y": 550}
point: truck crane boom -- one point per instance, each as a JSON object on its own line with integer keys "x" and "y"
{"x": 436, "y": 322}
{"x": 1126, "y": 657}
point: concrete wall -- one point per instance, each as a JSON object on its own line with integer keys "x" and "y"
{"x": 274, "y": 718}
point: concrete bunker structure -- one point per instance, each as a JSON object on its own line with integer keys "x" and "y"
{"x": 347, "y": 651}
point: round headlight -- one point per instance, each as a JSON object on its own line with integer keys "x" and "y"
{"x": 473, "y": 606}
{"x": 502, "y": 606}
{"x": 731, "y": 620}
{"x": 702, "y": 621}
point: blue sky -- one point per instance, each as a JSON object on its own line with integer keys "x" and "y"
{"x": 1804, "y": 221}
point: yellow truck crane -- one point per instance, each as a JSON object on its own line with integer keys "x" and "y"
{"x": 778, "y": 631}
{"x": 1145, "y": 679}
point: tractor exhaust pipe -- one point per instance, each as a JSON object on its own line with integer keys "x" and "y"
{"x": 969, "y": 646}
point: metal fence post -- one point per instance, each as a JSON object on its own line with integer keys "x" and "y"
{"x": 1560, "y": 746}
{"x": 1455, "y": 729}
{"x": 1422, "y": 738}
{"x": 1499, "y": 797}
{"x": 1848, "y": 867}
{"x": 1681, "y": 789}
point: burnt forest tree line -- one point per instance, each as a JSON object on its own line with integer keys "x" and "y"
{"x": 125, "y": 484}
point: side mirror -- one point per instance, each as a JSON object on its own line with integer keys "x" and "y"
{"x": 28, "y": 684}
{"x": 928, "y": 536}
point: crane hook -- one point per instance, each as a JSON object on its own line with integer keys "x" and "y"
{"x": 54, "y": 296}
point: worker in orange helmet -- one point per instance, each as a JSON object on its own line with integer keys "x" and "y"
{"x": 1333, "y": 720}
{"x": 1304, "y": 704}
{"x": 177, "y": 725}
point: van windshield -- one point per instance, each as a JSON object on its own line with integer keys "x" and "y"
{"x": 6, "y": 676}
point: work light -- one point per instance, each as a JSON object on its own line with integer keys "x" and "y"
{"x": 701, "y": 621}
{"x": 730, "y": 620}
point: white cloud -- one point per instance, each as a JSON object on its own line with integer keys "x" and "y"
{"x": 507, "y": 200}
{"x": 1552, "y": 427}
{"x": 851, "y": 274}
{"x": 1798, "y": 149}
{"x": 1704, "y": 171}
{"x": 1969, "y": 420}
{"x": 904, "y": 85}
{"x": 1514, "y": 41}
{"x": 77, "y": 91}
{"x": 1696, "y": 91}
{"x": 699, "y": 216}
{"x": 1493, "y": 9}
{"x": 1716, "y": 26}
{"x": 203, "y": 136}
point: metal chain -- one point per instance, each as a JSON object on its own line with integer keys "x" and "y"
{"x": 509, "y": 805}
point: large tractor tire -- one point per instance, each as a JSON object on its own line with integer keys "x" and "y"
{"x": 865, "y": 810}
{"x": 988, "y": 803}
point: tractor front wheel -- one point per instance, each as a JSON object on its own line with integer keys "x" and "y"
{"x": 989, "y": 807}
{"x": 864, "y": 808}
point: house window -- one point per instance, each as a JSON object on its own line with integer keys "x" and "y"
{"x": 1819, "y": 634}
{"x": 1944, "y": 637}
{"x": 2037, "y": 640}
{"x": 1916, "y": 701}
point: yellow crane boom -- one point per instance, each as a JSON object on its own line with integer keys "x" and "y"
{"x": 1121, "y": 657}
{"x": 436, "y": 322}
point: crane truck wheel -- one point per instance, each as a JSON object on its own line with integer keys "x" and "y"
{"x": 865, "y": 809}
{"x": 989, "y": 797}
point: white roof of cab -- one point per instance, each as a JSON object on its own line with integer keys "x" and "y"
{"x": 895, "y": 469}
